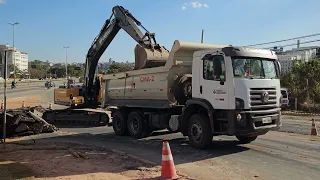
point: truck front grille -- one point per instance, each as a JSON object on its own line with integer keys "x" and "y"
{"x": 260, "y": 109}
{"x": 256, "y": 102}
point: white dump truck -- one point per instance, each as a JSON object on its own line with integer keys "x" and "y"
{"x": 203, "y": 90}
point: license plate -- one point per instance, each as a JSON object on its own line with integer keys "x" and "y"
{"x": 266, "y": 120}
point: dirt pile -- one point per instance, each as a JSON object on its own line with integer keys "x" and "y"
{"x": 57, "y": 160}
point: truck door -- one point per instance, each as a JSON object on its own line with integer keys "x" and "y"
{"x": 213, "y": 86}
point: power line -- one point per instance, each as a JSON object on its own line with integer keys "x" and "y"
{"x": 311, "y": 35}
{"x": 294, "y": 44}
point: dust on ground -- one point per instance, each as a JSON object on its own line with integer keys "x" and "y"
{"x": 52, "y": 161}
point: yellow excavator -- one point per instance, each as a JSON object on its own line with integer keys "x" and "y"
{"x": 70, "y": 94}
{"x": 147, "y": 54}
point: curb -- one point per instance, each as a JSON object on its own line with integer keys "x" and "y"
{"x": 299, "y": 113}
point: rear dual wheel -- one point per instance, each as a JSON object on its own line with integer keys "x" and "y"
{"x": 137, "y": 127}
{"x": 119, "y": 123}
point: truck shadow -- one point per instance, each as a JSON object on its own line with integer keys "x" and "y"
{"x": 11, "y": 170}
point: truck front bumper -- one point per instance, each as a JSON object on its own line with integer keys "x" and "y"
{"x": 253, "y": 122}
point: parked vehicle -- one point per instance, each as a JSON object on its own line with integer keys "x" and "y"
{"x": 285, "y": 98}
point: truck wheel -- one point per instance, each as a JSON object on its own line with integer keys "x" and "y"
{"x": 246, "y": 139}
{"x": 136, "y": 125}
{"x": 199, "y": 131}
{"x": 119, "y": 124}
{"x": 183, "y": 92}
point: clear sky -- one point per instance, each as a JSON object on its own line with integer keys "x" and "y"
{"x": 48, "y": 25}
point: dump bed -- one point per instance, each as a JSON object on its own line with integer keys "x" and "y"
{"x": 151, "y": 87}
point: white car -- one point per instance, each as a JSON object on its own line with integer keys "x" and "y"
{"x": 285, "y": 97}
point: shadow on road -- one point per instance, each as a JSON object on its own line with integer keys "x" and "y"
{"x": 11, "y": 170}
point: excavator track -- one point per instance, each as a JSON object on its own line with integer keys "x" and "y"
{"x": 80, "y": 117}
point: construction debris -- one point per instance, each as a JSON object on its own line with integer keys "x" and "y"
{"x": 78, "y": 154}
{"x": 25, "y": 121}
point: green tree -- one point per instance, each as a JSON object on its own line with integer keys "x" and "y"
{"x": 117, "y": 67}
{"x": 304, "y": 80}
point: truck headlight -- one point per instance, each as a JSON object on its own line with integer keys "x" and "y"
{"x": 239, "y": 103}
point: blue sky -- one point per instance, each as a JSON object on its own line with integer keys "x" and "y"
{"x": 48, "y": 25}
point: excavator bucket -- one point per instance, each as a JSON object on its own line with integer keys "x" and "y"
{"x": 148, "y": 58}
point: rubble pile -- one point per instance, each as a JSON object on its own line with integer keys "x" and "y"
{"x": 25, "y": 121}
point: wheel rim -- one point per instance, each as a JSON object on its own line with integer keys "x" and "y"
{"x": 134, "y": 125}
{"x": 196, "y": 132}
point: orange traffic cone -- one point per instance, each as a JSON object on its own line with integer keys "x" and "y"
{"x": 168, "y": 170}
{"x": 314, "y": 131}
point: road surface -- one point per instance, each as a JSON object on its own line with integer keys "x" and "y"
{"x": 276, "y": 155}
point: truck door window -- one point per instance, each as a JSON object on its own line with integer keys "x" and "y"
{"x": 213, "y": 68}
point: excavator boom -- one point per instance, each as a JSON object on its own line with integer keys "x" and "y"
{"x": 147, "y": 54}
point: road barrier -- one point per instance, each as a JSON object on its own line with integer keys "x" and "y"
{"x": 314, "y": 131}
{"x": 168, "y": 170}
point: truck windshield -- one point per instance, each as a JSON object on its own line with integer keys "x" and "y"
{"x": 254, "y": 68}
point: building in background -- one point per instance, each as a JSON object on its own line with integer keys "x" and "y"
{"x": 303, "y": 54}
{"x": 18, "y": 57}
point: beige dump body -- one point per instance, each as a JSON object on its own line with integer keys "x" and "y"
{"x": 151, "y": 85}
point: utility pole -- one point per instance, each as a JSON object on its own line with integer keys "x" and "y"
{"x": 202, "y": 36}
{"x": 13, "y": 51}
{"x": 5, "y": 98}
{"x": 66, "y": 47}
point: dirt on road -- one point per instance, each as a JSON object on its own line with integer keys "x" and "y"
{"x": 43, "y": 160}
{"x": 17, "y": 102}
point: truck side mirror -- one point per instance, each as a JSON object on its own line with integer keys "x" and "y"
{"x": 222, "y": 79}
{"x": 223, "y": 73}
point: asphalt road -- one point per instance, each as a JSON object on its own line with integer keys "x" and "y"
{"x": 276, "y": 155}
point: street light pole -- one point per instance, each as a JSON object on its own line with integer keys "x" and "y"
{"x": 13, "y": 52}
{"x": 66, "y": 47}
{"x": 5, "y": 100}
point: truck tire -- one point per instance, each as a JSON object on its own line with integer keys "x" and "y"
{"x": 183, "y": 91}
{"x": 246, "y": 139}
{"x": 199, "y": 131}
{"x": 119, "y": 124}
{"x": 136, "y": 126}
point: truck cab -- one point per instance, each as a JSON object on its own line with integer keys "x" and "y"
{"x": 240, "y": 89}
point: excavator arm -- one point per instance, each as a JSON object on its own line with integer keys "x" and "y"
{"x": 146, "y": 52}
